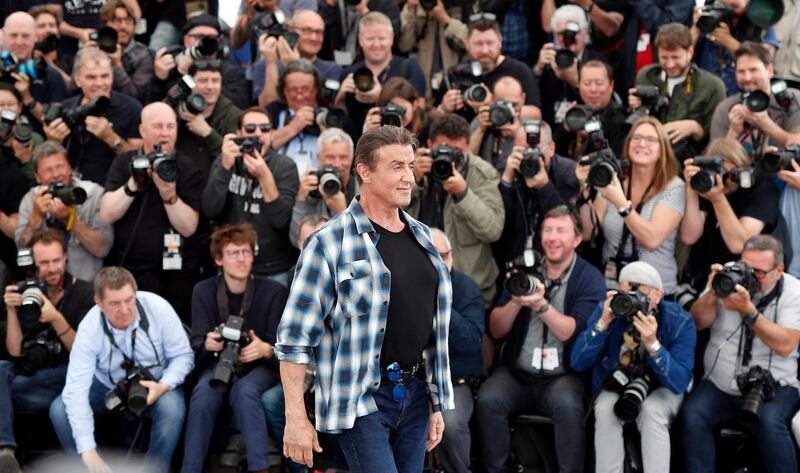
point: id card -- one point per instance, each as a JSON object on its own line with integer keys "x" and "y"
{"x": 172, "y": 260}
{"x": 343, "y": 58}
{"x": 303, "y": 161}
{"x": 546, "y": 359}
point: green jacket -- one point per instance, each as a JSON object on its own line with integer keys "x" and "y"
{"x": 694, "y": 99}
{"x": 472, "y": 224}
{"x": 203, "y": 151}
{"x": 27, "y": 170}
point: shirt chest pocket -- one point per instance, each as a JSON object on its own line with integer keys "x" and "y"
{"x": 355, "y": 288}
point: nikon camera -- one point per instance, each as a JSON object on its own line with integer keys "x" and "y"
{"x": 733, "y": 273}
{"x": 163, "y": 164}
{"x": 228, "y": 365}
{"x": 443, "y": 159}
{"x": 129, "y": 395}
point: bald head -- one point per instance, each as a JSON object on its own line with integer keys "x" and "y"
{"x": 311, "y": 28}
{"x": 443, "y": 246}
{"x": 159, "y": 126}
{"x": 508, "y": 88}
{"x": 20, "y": 33}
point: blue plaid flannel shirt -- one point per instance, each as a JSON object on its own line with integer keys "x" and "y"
{"x": 336, "y": 316}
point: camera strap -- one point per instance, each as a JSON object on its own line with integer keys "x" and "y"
{"x": 129, "y": 361}
{"x": 222, "y": 298}
{"x": 626, "y": 233}
{"x": 746, "y": 336}
{"x": 135, "y": 228}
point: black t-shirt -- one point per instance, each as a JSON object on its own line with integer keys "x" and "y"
{"x": 520, "y": 71}
{"x": 615, "y": 129}
{"x": 554, "y": 90}
{"x": 13, "y": 187}
{"x": 147, "y": 242}
{"x": 412, "y": 300}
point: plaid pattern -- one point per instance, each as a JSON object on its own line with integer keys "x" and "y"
{"x": 515, "y": 32}
{"x": 336, "y": 315}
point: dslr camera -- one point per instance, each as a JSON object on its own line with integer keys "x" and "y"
{"x": 654, "y": 103}
{"x": 711, "y": 167}
{"x": 48, "y": 45}
{"x": 634, "y": 383}
{"x": 771, "y": 163}
{"x": 363, "y": 79}
{"x": 466, "y": 77}
{"x": 756, "y": 100}
{"x": 76, "y": 117}
{"x": 248, "y": 144}
{"x": 328, "y": 116}
{"x": 273, "y": 25}
{"x": 603, "y": 164}
{"x": 228, "y": 365}
{"x": 524, "y": 276}
{"x": 443, "y": 159}
{"x": 69, "y": 194}
{"x": 205, "y": 48}
{"x": 532, "y": 157}
{"x": 713, "y": 15}
{"x": 392, "y": 115}
{"x": 22, "y": 131}
{"x": 330, "y": 183}
{"x": 41, "y": 350}
{"x": 625, "y": 305}
{"x": 564, "y": 56}
{"x": 35, "y": 68}
{"x": 733, "y": 273}
{"x": 501, "y": 113}
{"x": 31, "y": 288}
{"x": 757, "y": 386}
{"x": 163, "y": 164}
{"x": 106, "y": 39}
{"x": 129, "y": 395}
{"x": 182, "y": 99}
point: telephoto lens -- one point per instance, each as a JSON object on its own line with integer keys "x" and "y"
{"x": 627, "y": 304}
{"x": 364, "y": 79}
{"x": 756, "y": 101}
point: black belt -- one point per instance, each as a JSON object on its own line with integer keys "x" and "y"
{"x": 417, "y": 370}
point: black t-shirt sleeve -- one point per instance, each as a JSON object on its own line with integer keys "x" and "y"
{"x": 14, "y": 189}
{"x": 761, "y": 203}
{"x": 118, "y": 173}
{"x": 190, "y": 184}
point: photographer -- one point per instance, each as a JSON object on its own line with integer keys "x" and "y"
{"x": 39, "y": 343}
{"x": 693, "y": 93}
{"x": 495, "y": 127}
{"x": 400, "y": 93}
{"x": 735, "y": 117}
{"x": 639, "y": 216}
{"x": 48, "y": 39}
{"x": 336, "y": 153}
{"x": 526, "y": 197}
{"x": 755, "y": 329}
{"x": 162, "y": 250}
{"x": 537, "y": 324}
{"x": 458, "y": 192}
{"x": 341, "y": 25}
{"x": 17, "y": 148}
{"x": 108, "y": 368}
{"x": 94, "y": 142}
{"x": 200, "y": 134}
{"x": 257, "y": 303}
{"x": 251, "y": 183}
{"x": 651, "y": 344}
{"x": 69, "y": 204}
{"x": 718, "y": 222}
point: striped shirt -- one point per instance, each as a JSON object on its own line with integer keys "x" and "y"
{"x": 337, "y": 312}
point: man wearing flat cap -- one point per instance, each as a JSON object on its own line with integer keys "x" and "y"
{"x": 641, "y": 351}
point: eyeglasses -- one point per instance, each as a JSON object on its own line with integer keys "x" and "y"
{"x": 208, "y": 64}
{"x": 762, "y": 273}
{"x": 245, "y": 252}
{"x": 482, "y": 16}
{"x": 123, "y": 21}
{"x": 651, "y": 140}
{"x": 393, "y": 372}
{"x": 9, "y": 105}
{"x": 311, "y": 31}
{"x": 251, "y": 127}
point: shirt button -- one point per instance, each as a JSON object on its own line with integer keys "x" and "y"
{"x": 376, "y": 384}
{"x": 377, "y": 357}
{"x": 385, "y": 275}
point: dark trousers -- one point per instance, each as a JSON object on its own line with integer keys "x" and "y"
{"x": 707, "y": 408}
{"x": 32, "y": 393}
{"x": 456, "y": 442}
{"x": 560, "y": 398}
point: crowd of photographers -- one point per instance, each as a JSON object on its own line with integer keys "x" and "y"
{"x": 615, "y": 187}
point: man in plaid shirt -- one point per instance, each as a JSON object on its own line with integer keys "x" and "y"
{"x": 370, "y": 304}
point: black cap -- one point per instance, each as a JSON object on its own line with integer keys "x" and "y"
{"x": 202, "y": 19}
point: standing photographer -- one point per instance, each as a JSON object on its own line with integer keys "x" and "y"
{"x": 40, "y": 342}
{"x": 234, "y": 319}
{"x": 131, "y": 60}
{"x": 495, "y": 127}
{"x": 250, "y": 182}
{"x": 641, "y": 351}
{"x": 753, "y": 311}
{"x": 109, "y": 372}
{"x": 69, "y": 204}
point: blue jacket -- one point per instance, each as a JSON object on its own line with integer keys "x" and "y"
{"x": 467, "y": 326}
{"x": 673, "y": 364}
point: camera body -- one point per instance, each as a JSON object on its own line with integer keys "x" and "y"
{"x": 625, "y": 305}
{"x": 713, "y": 15}
{"x": 106, "y": 39}
{"x": 603, "y": 164}
{"x": 524, "y": 276}
{"x": 129, "y": 395}
{"x": 501, "y": 113}
{"x": 443, "y": 159}
{"x": 228, "y": 364}
{"x": 163, "y": 164}
{"x": 565, "y": 57}
{"x": 274, "y": 27}
{"x": 634, "y": 383}
{"x": 466, "y": 77}
{"x": 654, "y": 103}
{"x": 181, "y": 98}
{"x": 248, "y": 144}
{"x": 733, "y": 273}
{"x": 706, "y": 177}
{"x": 42, "y": 350}
{"x": 75, "y": 117}
{"x": 756, "y": 101}
{"x": 757, "y": 386}
{"x": 532, "y": 157}
{"x": 205, "y": 48}
{"x": 392, "y": 115}
{"x": 771, "y": 163}
{"x": 31, "y": 288}
{"x": 48, "y": 45}
{"x": 69, "y": 194}
{"x": 330, "y": 183}
{"x": 328, "y": 116}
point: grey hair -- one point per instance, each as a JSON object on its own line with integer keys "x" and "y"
{"x": 86, "y": 56}
{"x": 436, "y": 231}
{"x": 569, "y": 13}
{"x": 45, "y": 150}
{"x": 334, "y": 135}
{"x": 114, "y": 278}
{"x": 765, "y": 243}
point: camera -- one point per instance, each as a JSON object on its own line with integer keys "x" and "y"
{"x": 41, "y": 350}
{"x": 328, "y": 116}
{"x": 576, "y": 118}
{"x": 476, "y": 93}
{"x": 8, "y": 118}
{"x": 564, "y": 56}
{"x": 228, "y": 365}
{"x": 427, "y": 5}
{"x": 31, "y": 288}
{"x": 363, "y": 79}
{"x": 23, "y": 131}
{"x": 443, "y": 159}
{"x": 630, "y": 401}
{"x": 248, "y": 144}
{"x": 706, "y": 177}
{"x": 392, "y": 115}
{"x": 35, "y": 68}
{"x": 163, "y": 164}
{"x": 129, "y": 395}
{"x": 97, "y": 107}
{"x": 69, "y": 194}
{"x": 330, "y": 183}
{"x": 206, "y": 47}
{"x": 532, "y": 157}
{"x": 524, "y": 277}
{"x": 654, "y": 103}
{"x": 780, "y": 90}
{"x": 713, "y": 15}
{"x": 733, "y": 273}
{"x": 48, "y": 45}
{"x": 603, "y": 164}
{"x": 106, "y": 39}
{"x": 757, "y": 386}
{"x": 501, "y": 112}
{"x": 756, "y": 101}
{"x": 771, "y": 163}
{"x": 273, "y": 25}
{"x": 466, "y": 77}
{"x": 181, "y": 98}
{"x": 625, "y": 305}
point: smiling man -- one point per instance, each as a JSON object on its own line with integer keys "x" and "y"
{"x": 370, "y": 304}
{"x": 132, "y": 61}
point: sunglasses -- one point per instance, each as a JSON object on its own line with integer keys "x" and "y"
{"x": 251, "y": 127}
{"x": 482, "y": 16}
{"x": 393, "y": 372}
{"x": 208, "y": 64}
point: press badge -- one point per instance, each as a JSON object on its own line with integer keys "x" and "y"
{"x": 303, "y": 161}
{"x": 172, "y": 259}
{"x": 546, "y": 359}
{"x": 343, "y": 58}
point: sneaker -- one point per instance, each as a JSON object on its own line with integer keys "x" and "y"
{"x": 8, "y": 462}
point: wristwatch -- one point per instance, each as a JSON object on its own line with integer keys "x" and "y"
{"x": 625, "y": 211}
{"x": 128, "y": 191}
{"x": 654, "y": 347}
{"x": 751, "y": 319}
{"x": 543, "y": 308}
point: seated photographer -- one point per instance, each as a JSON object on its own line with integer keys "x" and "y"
{"x": 109, "y": 373}
{"x": 596, "y": 90}
{"x": 544, "y": 306}
{"x": 535, "y": 179}
{"x": 692, "y": 94}
{"x": 163, "y": 250}
{"x": 466, "y": 331}
{"x": 789, "y": 173}
{"x": 724, "y": 207}
{"x": 639, "y": 215}
{"x": 295, "y": 114}
{"x": 251, "y": 182}
{"x": 718, "y": 30}
{"x": 495, "y": 127}
{"x": 200, "y": 132}
{"x": 234, "y": 319}
{"x": 753, "y": 311}
{"x": 17, "y": 149}
{"x": 756, "y": 115}
{"x": 458, "y": 192}
{"x": 98, "y": 122}
{"x": 331, "y": 197}
{"x": 39, "y": 332}
{"x": 399, "y": 97}
{"x": 640, "y": 348}
{"x": 64, "y": 202}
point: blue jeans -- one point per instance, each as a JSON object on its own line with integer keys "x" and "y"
{"x": 706, "y": 408}
{"x": 167, "y": 414}
{"x": 456, "y": 443}
{"x": 392, "y": 439}
{"x": 245, "y": 402}
{"x": 26, "y": 394}
{"x": 275, "y": 412}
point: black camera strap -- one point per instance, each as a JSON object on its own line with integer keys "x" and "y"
{"x": 130, "y": 361}
{"x": 746, "y": 336}
{"x": 222, "y": 298}
{"x": 135, "y": 228}
{"x": 626, "y": 233}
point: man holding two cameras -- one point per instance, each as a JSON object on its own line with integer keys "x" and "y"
{"x": 39, "y": 339}
{"x": 753, "y": 310}
{"x": 641, "y": 351}
{"x": 250, "y": 182}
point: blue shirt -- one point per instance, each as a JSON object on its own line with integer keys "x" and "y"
{"x": 93, "y": 356}
{"x": 342, "y": 330}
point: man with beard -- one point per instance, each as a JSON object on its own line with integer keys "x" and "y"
{"x": 132, "y": 61}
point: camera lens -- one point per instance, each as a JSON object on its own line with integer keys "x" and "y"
{"x": 756, "y": 101}
{"x": 564, "y": 58}
{"x": 600, "y": 175}
{"x": 364, "y": 79}
{"x": 622, "y": 305}
{"x": 630, "y": 401}
{"x": 195, "y": 104}
{"x": 166, "y": 168}
{"x": 576, "y": 118}
{"x": 530, "y": 165}
{"x": 442, "y": 169}
{"x": 522, "y": 284}
{"x": 475, "y": 93}
{"x": 499, "y": 115}
{"x": 703, "y": 181}
{"x": 106, "y": 38}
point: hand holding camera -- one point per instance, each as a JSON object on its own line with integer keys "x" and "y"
{"x": 230, "y": 151}
{"x": 163, "y": 64}
{"x": 101, "y": 128}
{"x": 423, "y": 161}
{"x": 213, "y": 341}
{"x": 455, "y": 185}
{"x": 57, "y": 130}
{"x": 197, "y": 124}
{"x": 614, "y": 193}
{"x": 647, "y": 325}
{"x": 255, "y": 164}
{"x": 255, "y": 350}
{"x": 452, "y": 100}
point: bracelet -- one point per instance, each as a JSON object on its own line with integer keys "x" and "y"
{"x": 751, "y": 319}
{"x": 59, "y": 335}
{"x": 171, "y": 200}
{"x": 625, "y": 211}
{"x": 72, "y": 219}
{"x": 544, "y": 308}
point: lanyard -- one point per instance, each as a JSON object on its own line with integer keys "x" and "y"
{"x": 744, "y": 353}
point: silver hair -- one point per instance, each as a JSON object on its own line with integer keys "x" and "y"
{"x": 334, "y": 135}
{"x": 765, "y": 243}
{"x": 435, "y": 231}
{"x": 569, "y": 13}
{"x": 86, "y": 56}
